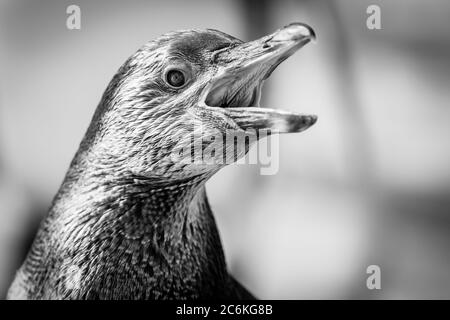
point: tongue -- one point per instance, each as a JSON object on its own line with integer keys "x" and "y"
{"x": 276, "y": 121}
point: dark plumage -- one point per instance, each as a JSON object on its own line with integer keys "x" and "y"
{"x": 131, "y": 220}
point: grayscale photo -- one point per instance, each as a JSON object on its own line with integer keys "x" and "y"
{"x": 220, "y": 151}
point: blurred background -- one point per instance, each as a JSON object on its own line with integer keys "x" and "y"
{"x": 368, "y": 184}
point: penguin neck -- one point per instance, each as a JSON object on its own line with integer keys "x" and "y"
{"x": 166, "y": 224}
{"x": 154, "y": 200}
{"x": 139, "y": 206}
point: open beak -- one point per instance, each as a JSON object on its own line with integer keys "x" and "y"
{"x": 235, "y": 91}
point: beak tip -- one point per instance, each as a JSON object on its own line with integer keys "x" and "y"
{"x": 300, "y": 123}
{"x": 312, "y": 120}
{"x": 295, "y": 31}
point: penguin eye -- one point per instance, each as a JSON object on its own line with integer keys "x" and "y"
{"x": 175, "y": 78}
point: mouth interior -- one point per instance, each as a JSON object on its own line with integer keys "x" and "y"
{"x": 236, "y": 91}
{"x": 241, "y": 88}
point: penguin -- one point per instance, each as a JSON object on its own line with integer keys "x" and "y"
{"x": 131, "y": 219}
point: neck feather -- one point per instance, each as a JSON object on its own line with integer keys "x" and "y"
{"x": 161, "y": 234}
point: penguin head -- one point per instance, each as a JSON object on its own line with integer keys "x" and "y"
{"x": 188, "y": 103}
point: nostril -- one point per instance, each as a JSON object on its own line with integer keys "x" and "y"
{"x": 266, "y": 43}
